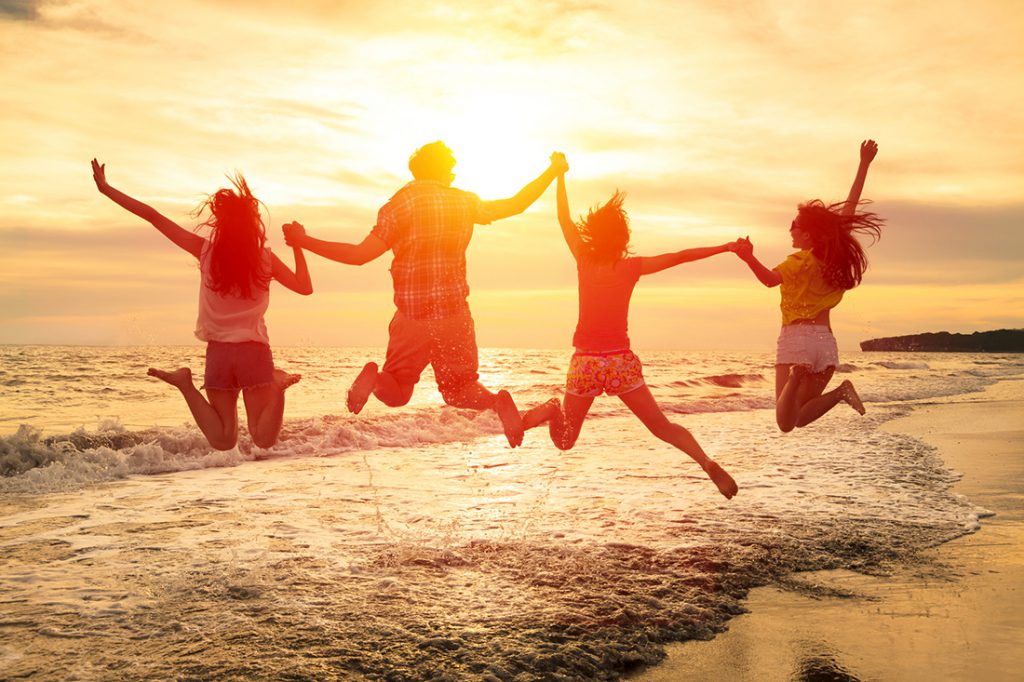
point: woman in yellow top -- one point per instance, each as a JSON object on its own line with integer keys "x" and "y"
{"x": 813, "y": 280}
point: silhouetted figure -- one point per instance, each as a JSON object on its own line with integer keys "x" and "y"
{"x": 428, "y": 225}
{"x": 813, "y": 280}
{"x": 236, "y": 268}
{"x": 603, "y": 362}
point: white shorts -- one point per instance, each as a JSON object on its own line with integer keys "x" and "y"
{"x": 810, "y": 345}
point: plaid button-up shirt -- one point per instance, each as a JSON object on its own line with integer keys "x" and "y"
{"x": 428, "y": 225}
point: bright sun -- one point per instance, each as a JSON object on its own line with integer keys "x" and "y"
{"x": 501, "y": 141}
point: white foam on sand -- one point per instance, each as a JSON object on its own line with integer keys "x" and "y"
{"x": 466, "y": 557}
{"x": 32, "y": 463}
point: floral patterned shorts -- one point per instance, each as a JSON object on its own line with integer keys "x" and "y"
{"x": 591, "y": 374}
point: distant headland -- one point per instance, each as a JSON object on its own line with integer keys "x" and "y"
{"x": 998, "y": 341}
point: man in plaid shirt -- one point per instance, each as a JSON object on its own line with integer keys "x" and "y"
{"x": 428, "y": 225}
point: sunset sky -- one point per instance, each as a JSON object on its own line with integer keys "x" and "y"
{"x": 716, "y": 117}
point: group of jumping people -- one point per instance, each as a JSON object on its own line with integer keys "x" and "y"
{"x": 427, "y": 225}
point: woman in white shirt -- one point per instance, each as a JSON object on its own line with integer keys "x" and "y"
{"x": 234, "y": 293}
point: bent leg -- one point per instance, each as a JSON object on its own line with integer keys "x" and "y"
{"x": 566, "y": 430}
{"x": 818, "y": 405}
{"x": 386, "y": 387}
{"x": 642, "y": 404}
{"x": 475, "y": 396}
{"x": 453, "y": 355}
{"x": 787, "y": 389}
{"x": 455, "y": 359}
{"x": 802, "y": 401}
{"x": 407, "y": 355}
{"x": 264, "y": 409}
{"x": 392, "y": 392}
{"x": 472, "y": 396}
{"x": 545, "y": 412}
{"x": 361, "y": 388}
{"x": 216, "y": 418}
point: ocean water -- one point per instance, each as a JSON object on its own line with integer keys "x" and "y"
{"x": 412, "y": 543}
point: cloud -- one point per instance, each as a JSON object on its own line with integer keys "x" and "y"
{"x": 25, "y": 10}
{"x": 715, "y": 119}
{"x": 991, "y": 231}
{"x": 436, "y": 30}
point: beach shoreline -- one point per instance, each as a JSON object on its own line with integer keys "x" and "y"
{"x": 415, "y": 545}
{"x": 957, "y": 616}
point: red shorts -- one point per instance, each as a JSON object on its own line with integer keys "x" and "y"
{"x": 448, "y": 344}
{"x": 233, "y": 366}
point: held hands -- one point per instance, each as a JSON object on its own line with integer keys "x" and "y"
{"x": 868, "y": 149}
{"x": 99, "y": 176}
{"x": 293, "y": 234}
{"x": 558, "y": 163}
{"x": 742, "y": 248}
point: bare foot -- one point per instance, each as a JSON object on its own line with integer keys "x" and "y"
{"x": 721, "y": 478}
{"x": 179, "y": 378}
{"x": 851, "y": 397}
{"x": 510, "y": 419}
{"x": 361, "y": 388}
{"x": 552, "y": 409}
{"x": 283, "y": 379}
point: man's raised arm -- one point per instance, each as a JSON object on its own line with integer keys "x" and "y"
{"x": 505, "y": 208}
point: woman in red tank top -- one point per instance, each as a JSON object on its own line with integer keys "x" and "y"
{"x": 603, "y": 361}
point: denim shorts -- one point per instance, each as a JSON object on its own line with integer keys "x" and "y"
{"x": 233, "y": 366}
{"x": 811, "y": 345}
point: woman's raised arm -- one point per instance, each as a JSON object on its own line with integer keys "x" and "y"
{"x": 189, "y": 241}
{"x": 569, "y": 231}
{"x": 868, "y": 149}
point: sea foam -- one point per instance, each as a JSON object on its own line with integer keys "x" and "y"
{"x": 32, "y": 463}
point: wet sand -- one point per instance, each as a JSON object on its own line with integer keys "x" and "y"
{"x": 959, "y": 616}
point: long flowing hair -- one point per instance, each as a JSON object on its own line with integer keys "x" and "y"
{"x": 605, "y": 231}
{"x": 237, "y": 240}
{"x": 834, "y": 241}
